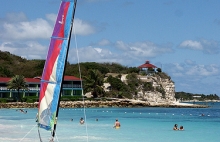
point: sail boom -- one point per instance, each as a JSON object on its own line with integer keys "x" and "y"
{"x": 61, "y": 38}
{"x": 48, "y": 81}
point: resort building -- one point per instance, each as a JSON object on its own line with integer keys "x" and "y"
{"x": 71, "y": 87}
{"x": 147, "y": 68}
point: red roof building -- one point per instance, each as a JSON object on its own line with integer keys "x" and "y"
{"x": 147, "y": 65}
{"x": 147, "y": 68}
{"x": 71, "y": 87}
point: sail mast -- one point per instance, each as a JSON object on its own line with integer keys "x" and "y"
{"x": 69, "y": 38}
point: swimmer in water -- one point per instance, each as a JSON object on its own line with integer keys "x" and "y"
{"x": 117, "y": 124}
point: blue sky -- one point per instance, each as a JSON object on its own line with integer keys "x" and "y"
{"x": 180, "y": 36}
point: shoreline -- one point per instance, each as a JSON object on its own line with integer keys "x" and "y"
{"x": 206, "y": 101}
{"x": 101, "y": 104}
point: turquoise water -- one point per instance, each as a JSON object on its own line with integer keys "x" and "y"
{"x": 137, "y": 125}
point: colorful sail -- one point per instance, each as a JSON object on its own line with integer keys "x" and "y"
{"x": 52, "y": 77}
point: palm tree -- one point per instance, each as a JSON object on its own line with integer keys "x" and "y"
{"x": 17, "y": 82}
{"x": 94, "y": 83}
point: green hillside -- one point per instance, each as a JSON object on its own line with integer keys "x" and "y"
{"x": 11, "y": 65}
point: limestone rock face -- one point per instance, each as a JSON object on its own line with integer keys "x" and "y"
{"x": 163, "y": 90}
{"x": 166, "y": 95}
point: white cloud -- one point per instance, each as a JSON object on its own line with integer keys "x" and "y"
{"x": 193, "y": 70}
{"x": 21, "y": 29}
{"x": 28, "y": 50}
{"x": 203, "y": 70}
{"x": 194, "y": 78}
{"x": 99, "y": 50}
{"x": 143, "y": 49}
{"x": 83, "y": 28}
{"x": 190, "y": 62}
{"x": 91, "y": 54}
{"x": 191, "y": 45}
{"x": 193, "y": 74}
{"x": 51, "y": 17}
{"x": 179, "y": 67}
{"x": 207, "y": 46}
{"x": 127, "y": 55}
{"x": 104, "y": 42}
{"x": 121, "y": 45}
{"x": 38, "y": 28}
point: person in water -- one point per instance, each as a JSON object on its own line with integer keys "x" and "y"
{"x": 175, "y": 127}
{"x": 117, "y": 124}
{"x": 81, "y": 121}
{"x": 181, "y": 128}
{"x": 22, "y": 111}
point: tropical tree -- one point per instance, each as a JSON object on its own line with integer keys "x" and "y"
{"x": 118, "y": 88}
{"x": 17, "y": 82}
{"x": 159, "y": 70}
{"x": 133, "y": 81}
{"x": 94, "y": 83}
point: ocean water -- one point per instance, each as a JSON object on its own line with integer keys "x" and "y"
{"x": 146, "y": 124}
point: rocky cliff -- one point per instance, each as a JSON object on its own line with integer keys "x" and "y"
{"x": 163, "y": 89}
{"x": 165, "y": 96}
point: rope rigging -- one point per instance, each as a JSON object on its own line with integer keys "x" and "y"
{"x": 27, "y": 133}
{"x": 84, "y": 109}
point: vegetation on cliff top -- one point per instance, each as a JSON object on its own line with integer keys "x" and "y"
{"x": 12, "y": 65}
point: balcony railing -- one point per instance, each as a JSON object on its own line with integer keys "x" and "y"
{"x": 38, "y": 88}
{"x": 72, "y": 86}
{"x": 4, "y": 88}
